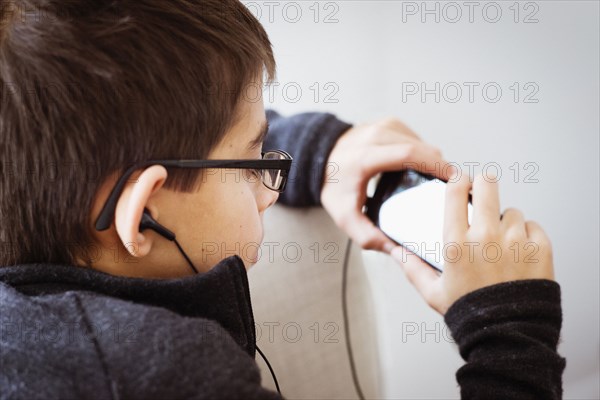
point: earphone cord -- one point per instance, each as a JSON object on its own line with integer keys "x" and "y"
{"x": 185, "y": 255}
{"x": 270, "y": 369}
{"x": 259, "y": 351}
{"x": 346, "y": 323}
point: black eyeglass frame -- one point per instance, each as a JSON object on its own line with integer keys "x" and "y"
{"x": 108, "y": 210}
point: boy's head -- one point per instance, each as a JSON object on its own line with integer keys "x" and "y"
{"x": 89, "y": 88}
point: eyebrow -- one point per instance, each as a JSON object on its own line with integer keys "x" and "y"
{"x": 261, "y": 136}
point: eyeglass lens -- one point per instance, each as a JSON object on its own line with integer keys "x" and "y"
{"x": 273, "y": 178}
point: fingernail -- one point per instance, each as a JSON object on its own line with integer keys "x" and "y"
{"x": 453, "y": 174}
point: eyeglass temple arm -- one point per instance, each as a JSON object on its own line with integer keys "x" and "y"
{"x": 108, "y": 210}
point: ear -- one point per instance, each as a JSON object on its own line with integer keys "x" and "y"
{"x": 130, "y": 206}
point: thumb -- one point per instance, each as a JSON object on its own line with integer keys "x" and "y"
{"x": 367, "y": 235}
{"x": 418, "y": 272}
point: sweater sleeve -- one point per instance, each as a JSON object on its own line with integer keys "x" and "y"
{"x": 508, "y": 335}
{"x": 309, "y": 138}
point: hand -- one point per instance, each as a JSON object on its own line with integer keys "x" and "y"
{"x": 363, "y": 152}
{"x": 516, "y": 249}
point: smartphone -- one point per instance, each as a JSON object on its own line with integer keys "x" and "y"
{"x": 408, "y": 207}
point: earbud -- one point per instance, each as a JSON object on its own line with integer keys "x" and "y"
{"x": 150, "y": 223}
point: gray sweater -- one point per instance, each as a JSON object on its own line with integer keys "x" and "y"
{"x": 69, "y": 332}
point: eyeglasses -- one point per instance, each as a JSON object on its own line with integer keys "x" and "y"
{"x": 273, "y": 168}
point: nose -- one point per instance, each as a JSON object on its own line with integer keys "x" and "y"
{"x": 267, "y": 198}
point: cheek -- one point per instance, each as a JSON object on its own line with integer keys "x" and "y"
{"x": 234, "y": 225}
{"x": 246, "y": 224}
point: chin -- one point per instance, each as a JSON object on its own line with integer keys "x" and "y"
{"x": 248, "y": 265}
{"x": 250, "y": 250}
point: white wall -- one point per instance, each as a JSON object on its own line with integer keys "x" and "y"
{"x": 368, "y": 54}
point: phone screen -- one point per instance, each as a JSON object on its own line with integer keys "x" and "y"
{"x": 409, "y": 208}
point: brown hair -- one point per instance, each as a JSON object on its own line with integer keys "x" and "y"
{"x": 89, "y": 87}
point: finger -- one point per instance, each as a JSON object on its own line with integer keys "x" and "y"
{"x": 386, "y": 136}
{"x": 446, "y": 171}
{"x": 418, "y": 156}
{"x": 456, "y": 220}
{"x": 513, "y": 223}
{"x": 486, "y": 202}
{"x": 396, "y": 127}
{"x": 536, "y": 234}
{"x": 367, "y": 235}
{"x": 539, "y": 250}
{"x": 419, "y": 273}
{"x": 436, "y": 165}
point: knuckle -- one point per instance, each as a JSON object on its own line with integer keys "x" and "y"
{"x": 540, "y": 237}
{"x": 532, "y": 227}
{"x": 513, "y": 212}
{"x": 436, "y": 150}
{"x": 513, "y": 236}
{"x": 486, "y": 234}
{"x": 408, "y": 150}
{"x": 372, "y": 132}
{"x": 389, "y": 122}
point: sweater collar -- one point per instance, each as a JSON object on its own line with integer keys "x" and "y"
{"x": 221, "y": 294}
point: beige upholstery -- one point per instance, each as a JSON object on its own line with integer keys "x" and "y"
{"x": 296, "y": 295}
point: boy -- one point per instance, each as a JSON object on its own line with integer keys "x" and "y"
{"x": 106, "y": 290}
